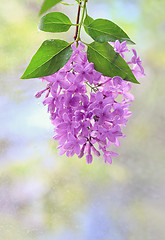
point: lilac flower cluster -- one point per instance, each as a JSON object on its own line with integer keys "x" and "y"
{"x": 86, "y": 108}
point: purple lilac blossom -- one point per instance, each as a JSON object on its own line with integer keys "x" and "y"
{"x": 84, "y": 105}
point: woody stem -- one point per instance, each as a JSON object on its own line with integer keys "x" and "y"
{"x": 77, "y": 22}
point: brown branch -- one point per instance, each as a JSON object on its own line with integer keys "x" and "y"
{"x": 77, "y": 22}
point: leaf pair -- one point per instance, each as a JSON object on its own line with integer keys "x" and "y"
{"x": 54, "y": 54}
{"x": 101, "y": 30}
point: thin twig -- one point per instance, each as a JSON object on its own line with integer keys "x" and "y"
{"x": 95, "y": 89}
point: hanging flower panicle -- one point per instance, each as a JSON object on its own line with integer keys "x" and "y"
{"x": 86, "y": 108}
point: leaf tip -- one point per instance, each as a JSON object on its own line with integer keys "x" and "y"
{"x": 40, "y": 12}
{"x": 132, "y": 80}
{"x": 136, "y": 81}
{"x": 132, "y": 42}
{"x": 23, "y": 77}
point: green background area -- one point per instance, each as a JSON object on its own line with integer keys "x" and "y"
{"x": 44, "y": 196}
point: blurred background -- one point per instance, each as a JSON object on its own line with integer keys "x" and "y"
{"x": 46, "y": 197}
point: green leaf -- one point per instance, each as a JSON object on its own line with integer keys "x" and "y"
{"x": 55, "y": 22}
{"x": 102, "y": 30}
{"x": 50, "y": 57}
{"x": 108, "y": 62}
{"x": 47, "y": 4}
{"x": 87, "y": 21}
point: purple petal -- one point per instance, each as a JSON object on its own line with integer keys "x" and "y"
{"x": 107, "y": 159}
{"x": 117, "y": 46}
{"x": 96, "y": 76}
{"x": 108, "y": 100}
{"x": 77, "y": 148}
{"x": 82, "y": 151}
{"x": 64, "y": 84}
{"x": 97, "y": 112}
{"x": 78, "y": 68}
{"x": 111, "y": 137}
{"x": 62, "y": 126}
{"x": 55, "y": 86}
{"x": 62, "y": 151}
{"x": 107, "y": 109}
{"x": 89, "y": 158}
{"x": 99, "y": 96}
{"x": 79, "y": 77}
{"x": 129, "y": 96}
{"x": 48, "y": 100}
{"x": 97, "y": 153}
{"x": 113, "y": 154}
{"x": 71, "y": 77}
{"x": 74, "y": 101}
{"x": 117, "y": 80}
{"x": 134, "y": 52}
{"x": 68, "y": 145}
{"x": 89, "y": 77}
{"x": 82, "y": 140}
{"x": 89, "y": 68}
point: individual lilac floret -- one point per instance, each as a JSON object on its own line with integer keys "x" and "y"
{"x": 137, "y": 69}
{"x": 84, "y": 105}
{"x": 121, "y": 48}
